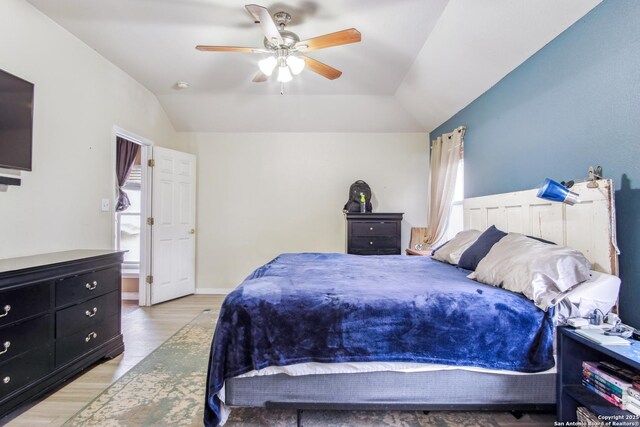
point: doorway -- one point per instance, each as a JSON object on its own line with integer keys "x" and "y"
{"x": 130, "y": 231}
{"x": 157, "y": 224}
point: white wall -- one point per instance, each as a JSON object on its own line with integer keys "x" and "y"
{"x": 262, "y": 194}
{"x": 79, "y": 97}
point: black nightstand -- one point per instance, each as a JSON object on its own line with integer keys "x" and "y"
{"x": 572, "y": 351}
{"x": 374, "y": 233}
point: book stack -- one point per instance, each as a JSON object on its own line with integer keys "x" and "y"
{"x": 618, "y": 386}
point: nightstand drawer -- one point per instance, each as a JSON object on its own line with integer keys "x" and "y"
{"x": 86, "y": 314}
{"x": 20, "y": 338}
{"x": 374, "y": 228}
{"x": 76, "y": 345}
{"x": 24, "y": 302}
{"x": 24, "y": 369}
{"x": 85, "y": 286}
{"x": 374, "y": 243}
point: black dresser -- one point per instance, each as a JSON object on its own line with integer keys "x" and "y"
{"x": 374, "y": 233}
{"x": 59, "y": 314}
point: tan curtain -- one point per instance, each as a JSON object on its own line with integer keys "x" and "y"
{"x": 446, "y": 152}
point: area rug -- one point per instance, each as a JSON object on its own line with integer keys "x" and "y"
{"x": 167, "y": 389}
{"x": 164, "y": 389}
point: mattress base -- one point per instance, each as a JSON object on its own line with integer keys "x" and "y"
{"x": 436, "y": 390}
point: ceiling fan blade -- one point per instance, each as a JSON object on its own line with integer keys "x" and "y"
{"x": 263, "y": 17}
{"x": 322, "y": 69}
{"x": 206, "y": 48}
{"x": 260, "y": 77}
{"x": 329, "y": 40}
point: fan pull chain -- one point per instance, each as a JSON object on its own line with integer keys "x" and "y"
{"x": 281, "y": 88}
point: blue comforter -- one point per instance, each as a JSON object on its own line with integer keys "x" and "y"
{"x": 344, "y": 308}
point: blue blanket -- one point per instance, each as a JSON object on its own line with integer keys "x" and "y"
{"x": 344, "y": 308}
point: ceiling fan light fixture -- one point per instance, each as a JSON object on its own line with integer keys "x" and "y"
{"x": 284, "y": 75}
{"x": 296, "y": 64}
{"x": 267, "y": 65}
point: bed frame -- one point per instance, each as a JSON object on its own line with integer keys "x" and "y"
{"x": 588, "y": 227}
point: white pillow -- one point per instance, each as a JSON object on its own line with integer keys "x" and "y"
{"x": 453, "y": 249}
{"x": 537, "y": 270}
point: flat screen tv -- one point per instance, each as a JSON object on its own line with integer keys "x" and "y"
{"x": 16, "y": 122}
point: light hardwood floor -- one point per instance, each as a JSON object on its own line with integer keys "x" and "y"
{"x": 144, "y": 329}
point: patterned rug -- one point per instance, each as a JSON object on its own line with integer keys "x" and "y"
{"x": 167, "y": 389}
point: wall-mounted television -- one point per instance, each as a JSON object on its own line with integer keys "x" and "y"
{"x": 16, "y": 122}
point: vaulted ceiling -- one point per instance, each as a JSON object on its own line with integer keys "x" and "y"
{"x": 419, "y": 62}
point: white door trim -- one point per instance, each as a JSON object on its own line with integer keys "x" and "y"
{"x": 145, "y": 212}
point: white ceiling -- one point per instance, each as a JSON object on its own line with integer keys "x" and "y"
{"x": 419, "y": 62}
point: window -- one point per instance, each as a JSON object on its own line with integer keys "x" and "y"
{"x": 128, "y": 235}
{"x": 455, "y": 223}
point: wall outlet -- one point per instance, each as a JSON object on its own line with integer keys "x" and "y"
{"x": 104, "y": 206}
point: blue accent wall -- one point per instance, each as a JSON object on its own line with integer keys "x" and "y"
{"x": 575, "y": 103}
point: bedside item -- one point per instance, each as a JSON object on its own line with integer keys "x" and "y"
{"x": 556, "y": 192}
{"x": 374, "y": 233}
{"x": 415, "y": 252}
{"x": 598, "y": 336}
{"x": 59, "y": 314}
{"x": 418, "y": 239}
{"x": 357, "y": 191}
{"x": 577, "y": 322}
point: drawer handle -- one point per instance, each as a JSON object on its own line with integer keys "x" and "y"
{"x": 371, "y": 243}
{"x": 6, "y": 380}
{"x": 7, "y": 344}
{"x": 7, "y": 309}
{"x": 91, "y": 313}
{"x": 91, "y": 286}
{"x": 371, "y": 228}
{"x": 92, "y": 335}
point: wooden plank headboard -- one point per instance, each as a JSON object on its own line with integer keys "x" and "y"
{"x": 588, "y": 226}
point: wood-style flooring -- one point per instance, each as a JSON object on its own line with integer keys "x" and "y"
{"x": 144, "y": 329}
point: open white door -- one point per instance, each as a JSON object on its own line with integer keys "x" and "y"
{"x": 173, "y": 209}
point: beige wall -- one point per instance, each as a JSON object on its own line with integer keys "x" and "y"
{"x": 262, "y": 194}
{"x": 79, "y": 97}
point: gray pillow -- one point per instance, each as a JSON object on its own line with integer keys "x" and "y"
{"x": 453, "y": 249}
{"x": 539, "y": 271}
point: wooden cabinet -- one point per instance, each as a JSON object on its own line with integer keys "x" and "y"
{"x": 374, "y": 233}
{"x": 572, "y": 351}
{"x": 59, "y": 314}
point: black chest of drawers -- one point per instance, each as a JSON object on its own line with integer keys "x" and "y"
{"x": 59, "y": 314}
{"x": 374, "y": 233}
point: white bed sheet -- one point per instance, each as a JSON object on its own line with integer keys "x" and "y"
{"x": 316, "y": 368}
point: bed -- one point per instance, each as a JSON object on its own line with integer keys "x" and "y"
{"x": 342, "y": 331}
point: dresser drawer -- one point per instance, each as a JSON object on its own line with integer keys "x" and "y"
{"x": 24, "y": 369}
{"x": 84, "y": 286}
{"x": 375, "y": 243}
{"x": 74, "y": 346}
{"x": 20, "y": 338}
{"x": 374, "y": 229}
{"x": 24, "y": 302}
{"x": 86, "y": 314}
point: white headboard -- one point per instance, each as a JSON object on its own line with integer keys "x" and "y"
{"x": 588, "y": 226}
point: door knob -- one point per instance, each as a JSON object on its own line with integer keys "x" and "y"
{"x": 192, "y": 231}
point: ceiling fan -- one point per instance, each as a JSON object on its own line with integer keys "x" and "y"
{"x": 285, "y": 48}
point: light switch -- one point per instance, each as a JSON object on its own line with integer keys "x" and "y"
{"x": 104, "y": 206}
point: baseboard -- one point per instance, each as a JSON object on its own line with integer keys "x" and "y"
{"x": 212, "y": 291}
{"x": 130, "y": 296}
